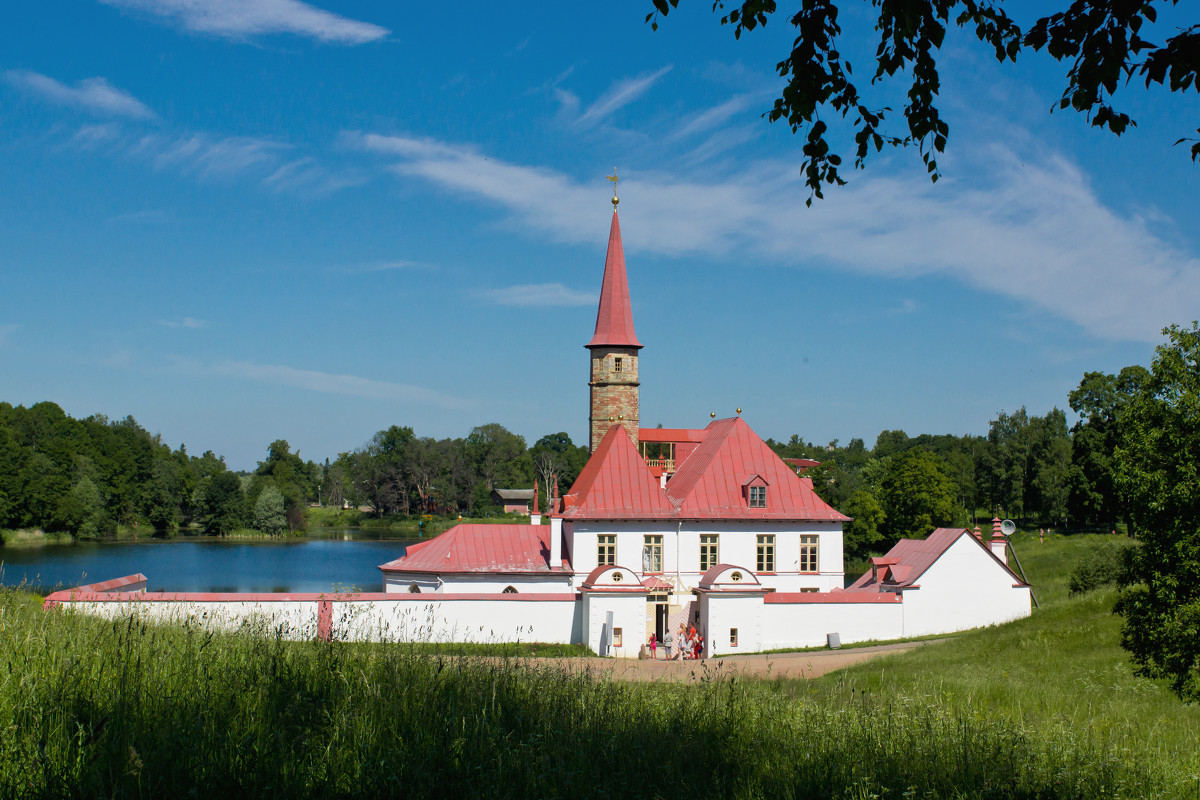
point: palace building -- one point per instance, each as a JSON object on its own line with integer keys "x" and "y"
{"x": 705, "y": 527}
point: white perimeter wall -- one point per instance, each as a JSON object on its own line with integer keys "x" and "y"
{"x": 290, "y": 619}
{"x": 443, "y": 618}
{"x": 406, "y": 618}
{"x": 807, "y": 624}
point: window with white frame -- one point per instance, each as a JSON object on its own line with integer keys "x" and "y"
{"x": 606, "y": 550}
{"x": 708, "y": 551}
{"x": 766, "y": 553}
{"x": 808, "y": 553}
{"x": 652, "y": 559}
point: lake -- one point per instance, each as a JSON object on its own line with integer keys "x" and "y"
{"x": 322, "y": 561}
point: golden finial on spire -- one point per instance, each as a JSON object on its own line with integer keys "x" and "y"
{"x": 614, "y": 180}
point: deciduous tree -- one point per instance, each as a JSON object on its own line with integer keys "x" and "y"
{"x": 1158, "y": 469}
{"x": 1101, "y": 40}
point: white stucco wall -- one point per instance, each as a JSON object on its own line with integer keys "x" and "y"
{"x": 965, "y": 588}
{"x": 629, "y": 614}
{"x": 459, "y": 583}
{"x": 291, "y": 620}
{"x": 737, "y": 545}
{"x": 444, "y": 618}
{"x": 807, "y": 624}
{"x": 721, "y": 612}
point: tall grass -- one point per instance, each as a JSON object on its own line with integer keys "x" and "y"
{"x": 91, "y": 708}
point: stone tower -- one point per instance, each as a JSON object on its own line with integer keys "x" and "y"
{"x": 614, "y": 349}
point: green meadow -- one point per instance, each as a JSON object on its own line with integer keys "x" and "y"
{"x": 1043, "y": 708}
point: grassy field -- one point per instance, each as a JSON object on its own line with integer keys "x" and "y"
{"x": 1043, "y": 708}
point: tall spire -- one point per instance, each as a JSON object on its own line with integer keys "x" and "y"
{"x": 614, "y": 318}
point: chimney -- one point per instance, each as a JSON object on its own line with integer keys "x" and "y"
{"x": 555, "y": 542}
{"x": 998, "y": 542}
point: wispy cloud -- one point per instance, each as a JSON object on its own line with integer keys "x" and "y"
{"x": 332, "y": 383}
{"x": 96, "y": 95}
{"x": 241, "y": 19}
{"x": 1031, "y": 229}
{"x": 186, "y": 322}
{"x": 538, "y": 295}
{"x": 306, "y": 176}
{"x": 619, "y": 95}
{"x": 6, "y": 332}
{"x": 714, "y": 117}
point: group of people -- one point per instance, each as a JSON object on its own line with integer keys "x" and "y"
{"x": 687, "y": 643}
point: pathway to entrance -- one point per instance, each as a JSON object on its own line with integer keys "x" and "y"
{"x": 774, "y": 665}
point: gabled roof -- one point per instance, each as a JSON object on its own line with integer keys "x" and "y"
{"x": 481, "y": 548}
{"x": 616, "y": 483}
{"x": 614, "y": 317}
{"x": 909, "y": 559}
{"x": 709, "y": 483}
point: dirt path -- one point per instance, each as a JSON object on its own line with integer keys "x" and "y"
{"x": 774, "y": 665}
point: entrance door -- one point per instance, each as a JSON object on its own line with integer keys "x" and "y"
{"x": 660, "y": 620}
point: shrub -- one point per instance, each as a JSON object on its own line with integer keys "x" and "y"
{"x": 1098, "y": 566}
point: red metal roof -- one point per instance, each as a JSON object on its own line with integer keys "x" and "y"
{"x": 481, "y": 548}
{"x": 670, "y": 434}
{"x": 616, "y": 483}
{"x": 908, "y": 560}
{"x": 614, "y": 317}
{"x": 709, "y": 483}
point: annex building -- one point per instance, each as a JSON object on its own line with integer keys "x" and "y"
{"x": 706, "y": 527}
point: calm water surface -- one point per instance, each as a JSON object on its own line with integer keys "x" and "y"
{"x": 320, "y": 562}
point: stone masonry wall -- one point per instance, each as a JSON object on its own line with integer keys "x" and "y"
{"x": 614, "y": 395}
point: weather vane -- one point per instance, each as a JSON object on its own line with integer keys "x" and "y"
{"x": 614, "y": 180}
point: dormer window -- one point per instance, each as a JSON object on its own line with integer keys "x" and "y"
{"x": 758, "y": 497}
{"x": 754, "y": 491}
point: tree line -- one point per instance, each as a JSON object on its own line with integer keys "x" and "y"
{"x": 91, "y": 476}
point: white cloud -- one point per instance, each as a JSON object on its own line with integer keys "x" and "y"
{"x": 332, "y": 383}
{"x": 93, "y": 94}
{"x": 306, "y": 176}
{"x": 239, "y": 19}
{"x": 539, "y": 294}
{"x": 619, "y": 95}
{"x": 714, "y": 117}
{"x": 1031, "y": 229}
{"x": 186, "y": 322}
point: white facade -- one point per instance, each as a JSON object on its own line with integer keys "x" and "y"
{"x": 736, "y": 542}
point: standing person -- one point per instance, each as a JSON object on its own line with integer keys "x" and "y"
{"x": 653, "y": 646}
{"x": 668, "y": 643}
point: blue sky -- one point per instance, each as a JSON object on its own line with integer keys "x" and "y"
{"x": 247, "y": 220}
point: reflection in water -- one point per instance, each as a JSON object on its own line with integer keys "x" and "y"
{"x": 320, "y": 563}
